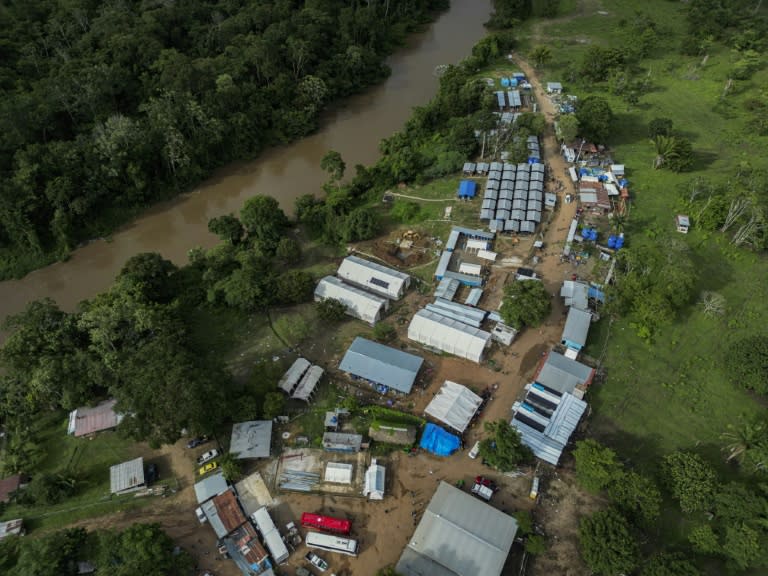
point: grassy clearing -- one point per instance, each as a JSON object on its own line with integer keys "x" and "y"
{"x": 88, "y": 461}
{"x": 673, "y": 394}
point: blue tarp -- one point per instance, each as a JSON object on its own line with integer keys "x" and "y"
{"x": 438, "y": 441}
{"x": 467, "y": 189}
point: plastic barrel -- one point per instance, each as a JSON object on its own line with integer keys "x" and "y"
{"x": 619, "y": 242}
{"x": 611, "y": 241}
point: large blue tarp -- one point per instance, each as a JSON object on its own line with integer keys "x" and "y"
{"x": 438, "y": 441}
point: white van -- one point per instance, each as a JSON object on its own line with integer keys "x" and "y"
{"x": 475, "y": 450}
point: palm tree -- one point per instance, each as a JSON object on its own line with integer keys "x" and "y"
{"x": 747, "y": 442}
{"x": 665, "y": 150}
{"x": 230, "y": 466}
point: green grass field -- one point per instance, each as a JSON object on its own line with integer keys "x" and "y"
{"x": 674, "y": 393}
{"x": 88, "y": 461}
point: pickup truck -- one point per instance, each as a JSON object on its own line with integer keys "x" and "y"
{"x": 207, "y": 456}
{"x": 316, "y": 561}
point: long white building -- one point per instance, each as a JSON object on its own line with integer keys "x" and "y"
{"x": 438, "y": 331}
{"x": 374, "y": 277}
{"x": 359, "y": 303}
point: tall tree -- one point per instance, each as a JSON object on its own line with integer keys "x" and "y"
{"x": 596, "y": 465}
{"x": 526, "y": 303}
{"x": 503, "y": 449}
{"x": 606, "y": 543}
{"x": 691, "y": 480}
{"x": 595, "y": 119}
{"x": 264, "y": 221}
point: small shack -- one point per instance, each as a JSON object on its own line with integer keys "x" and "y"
{"x": 467, "y": 189}
{"x": 251, "y": 439}
{"x": 127, "y": 477}
{"x": 682, "y": 223}
{"x": 342, "y": 442}
{"x": 11, "y": 528}
{"x": 271, "y": 536}
{"x": 89, "y": 420}
{"x": 374, "y": 481}
{"x": 576, "y": 329}
{"x": 554, "y": 88}
{"x": 293, "y": 375}
{"x": 10, "y": 485}
{"x": 209, "y": 487}
{"x": 308, "y": 383}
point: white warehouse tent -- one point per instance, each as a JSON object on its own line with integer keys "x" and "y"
{"x": 454, "y": 405}
{"x": 338, "y": 473}
{"x": 442, "y": 333}
{"x": 379, "y": 279}
{"x": 360, "y": 304}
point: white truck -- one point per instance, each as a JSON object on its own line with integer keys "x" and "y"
{"x": 206, "y": 457}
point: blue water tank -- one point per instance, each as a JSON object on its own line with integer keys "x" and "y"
{"x": 513, "y": 81}
{"x": 602, "y": 178}
{"x": 505, "y": 81}
{"x": 623, "y": 183}
{"x": 619, "y": 242}
{"x": 593, "y": 234}
{"x": 611, "y": 241}
{"x": 583, "y": 172}
{"x": 585, "y": 233}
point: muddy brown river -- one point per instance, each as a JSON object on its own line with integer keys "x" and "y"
{"x": 354, "y": 128}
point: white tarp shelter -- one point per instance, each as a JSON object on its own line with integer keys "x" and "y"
{"x": 471, "y": 269}
{"x": 477, "y": 244}
{"x": 374, "y": 481}
{"x": 292, "y": 377}
{"x": 487, "y": 255}
{"x": 454, "y": 405}
{"x": 338, "y": 473}
{"x": 443, "y": 333}
{"x": 360, "y": 304}
{"x": 374, "y": 277}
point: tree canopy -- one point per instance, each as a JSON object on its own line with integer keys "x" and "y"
{"x": 607, "y": 544}
{"x": 503, "y": 449}
{"x": 526, "y": 303}
{"x": 691, "y": 480}
{"x": 595, "y": 119}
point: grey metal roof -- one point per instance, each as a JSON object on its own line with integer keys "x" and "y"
{"x": 537, "y": 167}
{"x": 488, "y": 204}
{"x": 307, "y": 384}
{"x": 381, "y": 364}
{"x": 543, "y": 447}
{"x": 209, "y": 487}
{"x": 251, "y": 439}
{"x": 502, "y": 214}
{"x": 533, "y": 216}
{"x": 517, "y": 214}
{"x": 209, "y": 508}
{"x": 447, "y": 288}
{"x": 565, "y": 418}
{"x": 127, "y": 476}
{"x": 477, "y": 316}
{"x": 514, "y": 98}
{"x": 292, "y": 376}
{"x": 577, "y": 326}
{"x": 486, "y": 214}
{"x": 474, "y": 297}
{"x": 575, "y": 294}
{"x": 458, "y": 535}
{"x": 535, "y": 195}
{"x": 512, "y": 226}
{"x": 537, "y": 177}
{"x": 562, "y": 374}
{"x": 504, "y": 205}
{"x": 497, "y": 166}
{"x": 442, "y": 265}
{"x": 482, "y": 167}
{"x": 472, "y": 233}
{"x": 506, "y": 194}
{"x": 501, "y": 99}
{"x": 533, "y": 204}
{"x": 342, "y": 441}
{"x": 550, "y": 199}
{"x": 469, "y": 167}
{"x": 508, "y": 184}
{"x": 527, "y": 227}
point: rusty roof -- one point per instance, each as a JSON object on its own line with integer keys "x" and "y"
{"x": 229, "y": 511}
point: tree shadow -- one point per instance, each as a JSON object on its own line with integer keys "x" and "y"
{"x": 628, "y": 128}
{"x": 702, "y": 159}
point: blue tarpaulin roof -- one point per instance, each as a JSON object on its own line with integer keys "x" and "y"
{"x": 438, "y": 441}
{"x": 467, "y": 189}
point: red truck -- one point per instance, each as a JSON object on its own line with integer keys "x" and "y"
{"x": 326, "y": 523}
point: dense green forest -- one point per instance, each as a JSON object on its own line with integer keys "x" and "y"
{"x": 108, "y": 107}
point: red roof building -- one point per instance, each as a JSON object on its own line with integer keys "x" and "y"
{"x": 9, "y": 485}
{"x": 84, "y": 421}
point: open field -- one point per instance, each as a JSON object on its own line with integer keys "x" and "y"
{"x": 674, "y": 393}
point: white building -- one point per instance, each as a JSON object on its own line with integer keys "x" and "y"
{"x": 376, "y": 278}
{"x": 374, "y": 481}
{"x": 454, "y": 405}
{"x": 442, "y": 333}
{"x": 359, "y": 303}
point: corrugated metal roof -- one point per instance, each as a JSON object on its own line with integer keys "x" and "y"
{"x": 442, "y": 265}
{"x": 575, "y": 294}
{"x": 543, "y": 448}
{"x": 359, "y": 303}
{"x": 209, "y": 487}
{"x": 453, "y": 239}
{"x": 563, "y": 374}
{"x": 474, "y": 297}
{"x": 458, "y": 535}
{"x": 565, "y": 418}
{"x": 88, "y": 420}
{"x": 229, "y": 511}
{"x": 576, "y": 327}
{"x": 251, "y": 439}
{"x": 472, "y": 233}
{"x": 342, "y": 441}
{"x": 381, "y": 364}
{"x": 308, "y": 383}
{"x": 271, "y": 535}
{"x": 291, "y": 378}
{"x": 374, "y": 277}
{"x": 447, "y": 288}
{"x": 454, "y": 405}
{"x": 127, "y": 476}
{"x": 442, "y": 333}
{"x": 375, "y": 478}
{"x": 466, "y": 279}
{"x": 474, "y": 313}
{"x": 209, "y": 508}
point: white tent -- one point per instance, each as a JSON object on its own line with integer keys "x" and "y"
{"x": 338, "y": 473}
{"x": 443, "y": 333}
{"x": 487, "y": 255}
{"x": 471, "y": 269}
{"x": 360, "y": 304}
{"x": 374, "y": 481}
{"x": 292, "y": 377}
{"x": 307, "y": 384}
{"x": 454, "y": 405}
{"x": 379, "y": 279}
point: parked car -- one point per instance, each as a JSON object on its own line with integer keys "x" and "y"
{"x": 207, "y": 468}
{"x": 152, "y": 474}
{"x": 475, "y": 450}
{"x": 201, "y": 517}
{"x": 207, "y": 456}
{"x": 316, "y": 561}
{"x": 197, "y": 441}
